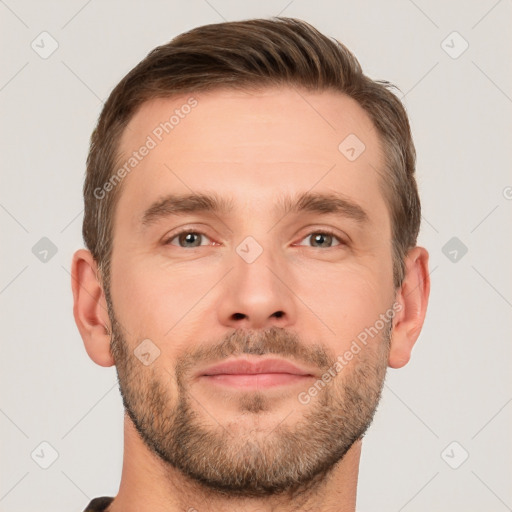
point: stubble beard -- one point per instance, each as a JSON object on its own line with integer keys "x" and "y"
{"x": 216, "y": 452}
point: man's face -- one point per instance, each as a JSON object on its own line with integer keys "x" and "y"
{"x": 252, "y": 281}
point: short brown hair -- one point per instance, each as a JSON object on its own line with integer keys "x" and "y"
{"x": 247, "y": 55}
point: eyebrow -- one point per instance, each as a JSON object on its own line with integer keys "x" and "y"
{"x": 312, "y": 202}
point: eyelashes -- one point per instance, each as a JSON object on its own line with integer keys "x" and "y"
{"x": 197, "y": 236}
{"x": 327, "y": 234}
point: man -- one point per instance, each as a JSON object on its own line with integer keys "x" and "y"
{"x": 251, "y": 216}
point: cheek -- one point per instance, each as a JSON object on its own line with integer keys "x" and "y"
{"x": 152, "y": 297}
{"x": 346, "y": 300}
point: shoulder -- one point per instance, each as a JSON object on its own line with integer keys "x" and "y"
{"x": 99, "y": 504}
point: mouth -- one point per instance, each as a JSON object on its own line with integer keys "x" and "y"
{"x": 262, "y": 373}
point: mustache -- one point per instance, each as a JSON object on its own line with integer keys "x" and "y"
{"x": 272, "y": 341}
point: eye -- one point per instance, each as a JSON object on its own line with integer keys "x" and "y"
{"x": 323, "y": 239}
{"x": 191, "y": 239}
{"x": 187, "y": 239}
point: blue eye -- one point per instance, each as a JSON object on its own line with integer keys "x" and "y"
{"x": 187, "y": 239}
{"x": 192, "y": 239}
{"x": 323, "y": 239}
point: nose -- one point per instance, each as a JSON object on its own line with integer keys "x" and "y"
{"x": 257, "y": 295}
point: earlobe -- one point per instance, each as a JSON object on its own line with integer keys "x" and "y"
{"x": 413, "y": 299}
{"x": 90, "y": 308}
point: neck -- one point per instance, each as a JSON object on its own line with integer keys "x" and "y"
{"x": 149, "y": 484}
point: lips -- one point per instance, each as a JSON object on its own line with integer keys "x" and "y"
{"x": 254, "y": 367}
{"x": 255, "y": 374}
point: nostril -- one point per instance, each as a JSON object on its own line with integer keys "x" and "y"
{"x": 278, "y": 314}
{"x": 238, "y": 316}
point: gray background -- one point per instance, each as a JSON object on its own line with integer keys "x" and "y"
{"x": 457, "y": 385}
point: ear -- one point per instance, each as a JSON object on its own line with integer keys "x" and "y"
{"x": 90, "y": 308}
{"x": 413, "y": 299}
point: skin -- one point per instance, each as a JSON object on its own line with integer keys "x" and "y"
{"x": 251, "y": 147}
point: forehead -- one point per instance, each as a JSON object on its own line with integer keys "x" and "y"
{"x": 250, "y": 146}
